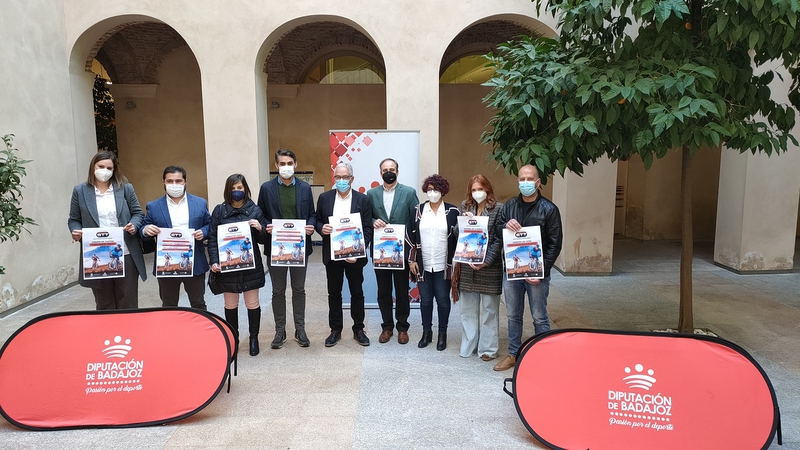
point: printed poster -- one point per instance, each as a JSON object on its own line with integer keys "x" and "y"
{"x": 473, "y": 238}
{"x": 103, "y": 253}
{"x": 523, "y": 251}
{"x": 347, "y": 238}
{"x": 388, "y": 247}
{"x": 235, "y": 247}
{"x": 174, "y": 252}
{"x": 288, "y": 243}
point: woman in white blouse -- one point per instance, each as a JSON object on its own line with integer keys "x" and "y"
{"x": 107, "y": 200}
{"x": 432, "y": 235}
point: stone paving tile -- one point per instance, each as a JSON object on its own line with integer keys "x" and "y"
{"x": 392, "y": 395}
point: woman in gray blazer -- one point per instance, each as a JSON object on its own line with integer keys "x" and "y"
{"x": 107, "y": 200}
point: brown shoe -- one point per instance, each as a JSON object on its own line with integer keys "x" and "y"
{"x": 505, "y": 363}
{"x": 385, "y": 336}
{"x": 402, "y": 337}
{"x": 486, "y": 357}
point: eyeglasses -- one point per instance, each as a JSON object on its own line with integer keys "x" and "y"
{"x": 339, "y": 178}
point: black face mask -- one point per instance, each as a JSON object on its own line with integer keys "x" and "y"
{"x": 389, "y": 177}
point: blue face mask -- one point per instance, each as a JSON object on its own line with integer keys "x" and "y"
{"x": 342, "y": 185}
{"x": 237, "y": 196}
{"x": 527, "y": 188}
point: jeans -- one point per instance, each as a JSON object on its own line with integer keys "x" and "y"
{"x": 277, "y": 275}
{"x": 434, "y": 285}
{"x": 479, "y": 323}
{"x": 515, "y": 307}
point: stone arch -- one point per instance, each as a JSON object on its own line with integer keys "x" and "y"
{"x": 157, "y": 88}
{"x": 133, "y": 52}
{"x": 462, "y": 115}
{"x": 483, "y": 36}
{"x": 282, "y": 63}
{"x": 298, "y": 50}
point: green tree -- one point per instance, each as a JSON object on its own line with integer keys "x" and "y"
{"x": 12, "y": 169}
{"x": 105, "y": 117}
{"x": 642, "y": 78}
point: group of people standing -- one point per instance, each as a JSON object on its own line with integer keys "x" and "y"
{"x": 108, "y": 200}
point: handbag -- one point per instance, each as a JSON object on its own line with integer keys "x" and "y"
{"x": 213, "y": 284}
{"x": 454, "y": 282}
{"x": 148, "y": 246}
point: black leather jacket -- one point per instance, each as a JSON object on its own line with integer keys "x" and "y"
{"x": 543, "y": 213}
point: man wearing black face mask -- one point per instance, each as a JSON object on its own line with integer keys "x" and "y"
{"x": 391, "y": 204}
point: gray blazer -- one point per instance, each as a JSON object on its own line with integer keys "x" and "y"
{"x": 83, "y": 214}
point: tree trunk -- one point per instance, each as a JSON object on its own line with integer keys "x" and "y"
{"x": 686, "y": 319}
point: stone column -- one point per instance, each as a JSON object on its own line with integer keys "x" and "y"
{"x": 412, "y": 101}
{"x": 587, "y": 216}
{"x": 757, "y": 211}
{"x": 229, "y": 122}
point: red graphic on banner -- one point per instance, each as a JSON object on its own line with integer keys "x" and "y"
{"x": 96, "y": 369}
{"x": 605, "y": 390}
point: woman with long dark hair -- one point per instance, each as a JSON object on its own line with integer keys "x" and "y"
{"x": 238, "y": 207}
{"x": 107, "y": 200}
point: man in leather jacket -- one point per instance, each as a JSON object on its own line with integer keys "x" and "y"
{"x": 530, "y": 208}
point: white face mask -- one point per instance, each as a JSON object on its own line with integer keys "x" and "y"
{"x": 286, "y": 172}
{"x": 175, "y": 190}
{"x": 434, "y": 196}
{"x": 479, "y": 196}
{"x": 103, "y": 174}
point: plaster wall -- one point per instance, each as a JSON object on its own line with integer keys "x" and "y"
{"x": 35, "y": 105}
{"x": 303, "y": 120}
{"x": 164, "y": 130}
{"x": 231, "y": 39}
{"x": 653, "y": 196}
{"x": 461, "y": 155}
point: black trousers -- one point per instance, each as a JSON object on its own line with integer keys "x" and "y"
{"x": 169, "y": 289}
{"x": 403, "y": 308}
{"x": 119, "y": 293}
{"x": 336, "y": 272}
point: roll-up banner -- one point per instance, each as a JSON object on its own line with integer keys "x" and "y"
{"x": 620, "y": 390}
{"x": 127, "y": 368}
{"x": 364, "y": 150}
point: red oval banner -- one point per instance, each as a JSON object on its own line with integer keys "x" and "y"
{"x": 113, "y": 368}
{"x": 615, "y": 390}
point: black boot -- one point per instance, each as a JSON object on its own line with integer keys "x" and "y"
{"x": 441, "y": 344}
{"x": 427, "y": 337}
{"x": 254, "y": 319}
{"x": 232, "y": 317}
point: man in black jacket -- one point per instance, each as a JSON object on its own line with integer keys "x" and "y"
{"x": 288, "y": 197}
{"x": 336, "y": 203}
{"x": 529, "y": 209}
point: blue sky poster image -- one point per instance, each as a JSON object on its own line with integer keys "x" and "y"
{"x": 523, "y": 253}
{"x": 347, "y": 237}
{"x": 473, "y": 237}
{"x": 387, "y": 247}
{"x": 235, "y": 247}
{"x": 103, "y": 253}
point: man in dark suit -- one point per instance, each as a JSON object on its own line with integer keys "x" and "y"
{"x": 391, "y": 204}
{"x": 179, "y": 209}
{"x": 340, "y": 201}
{"x": 288, "y": 197}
